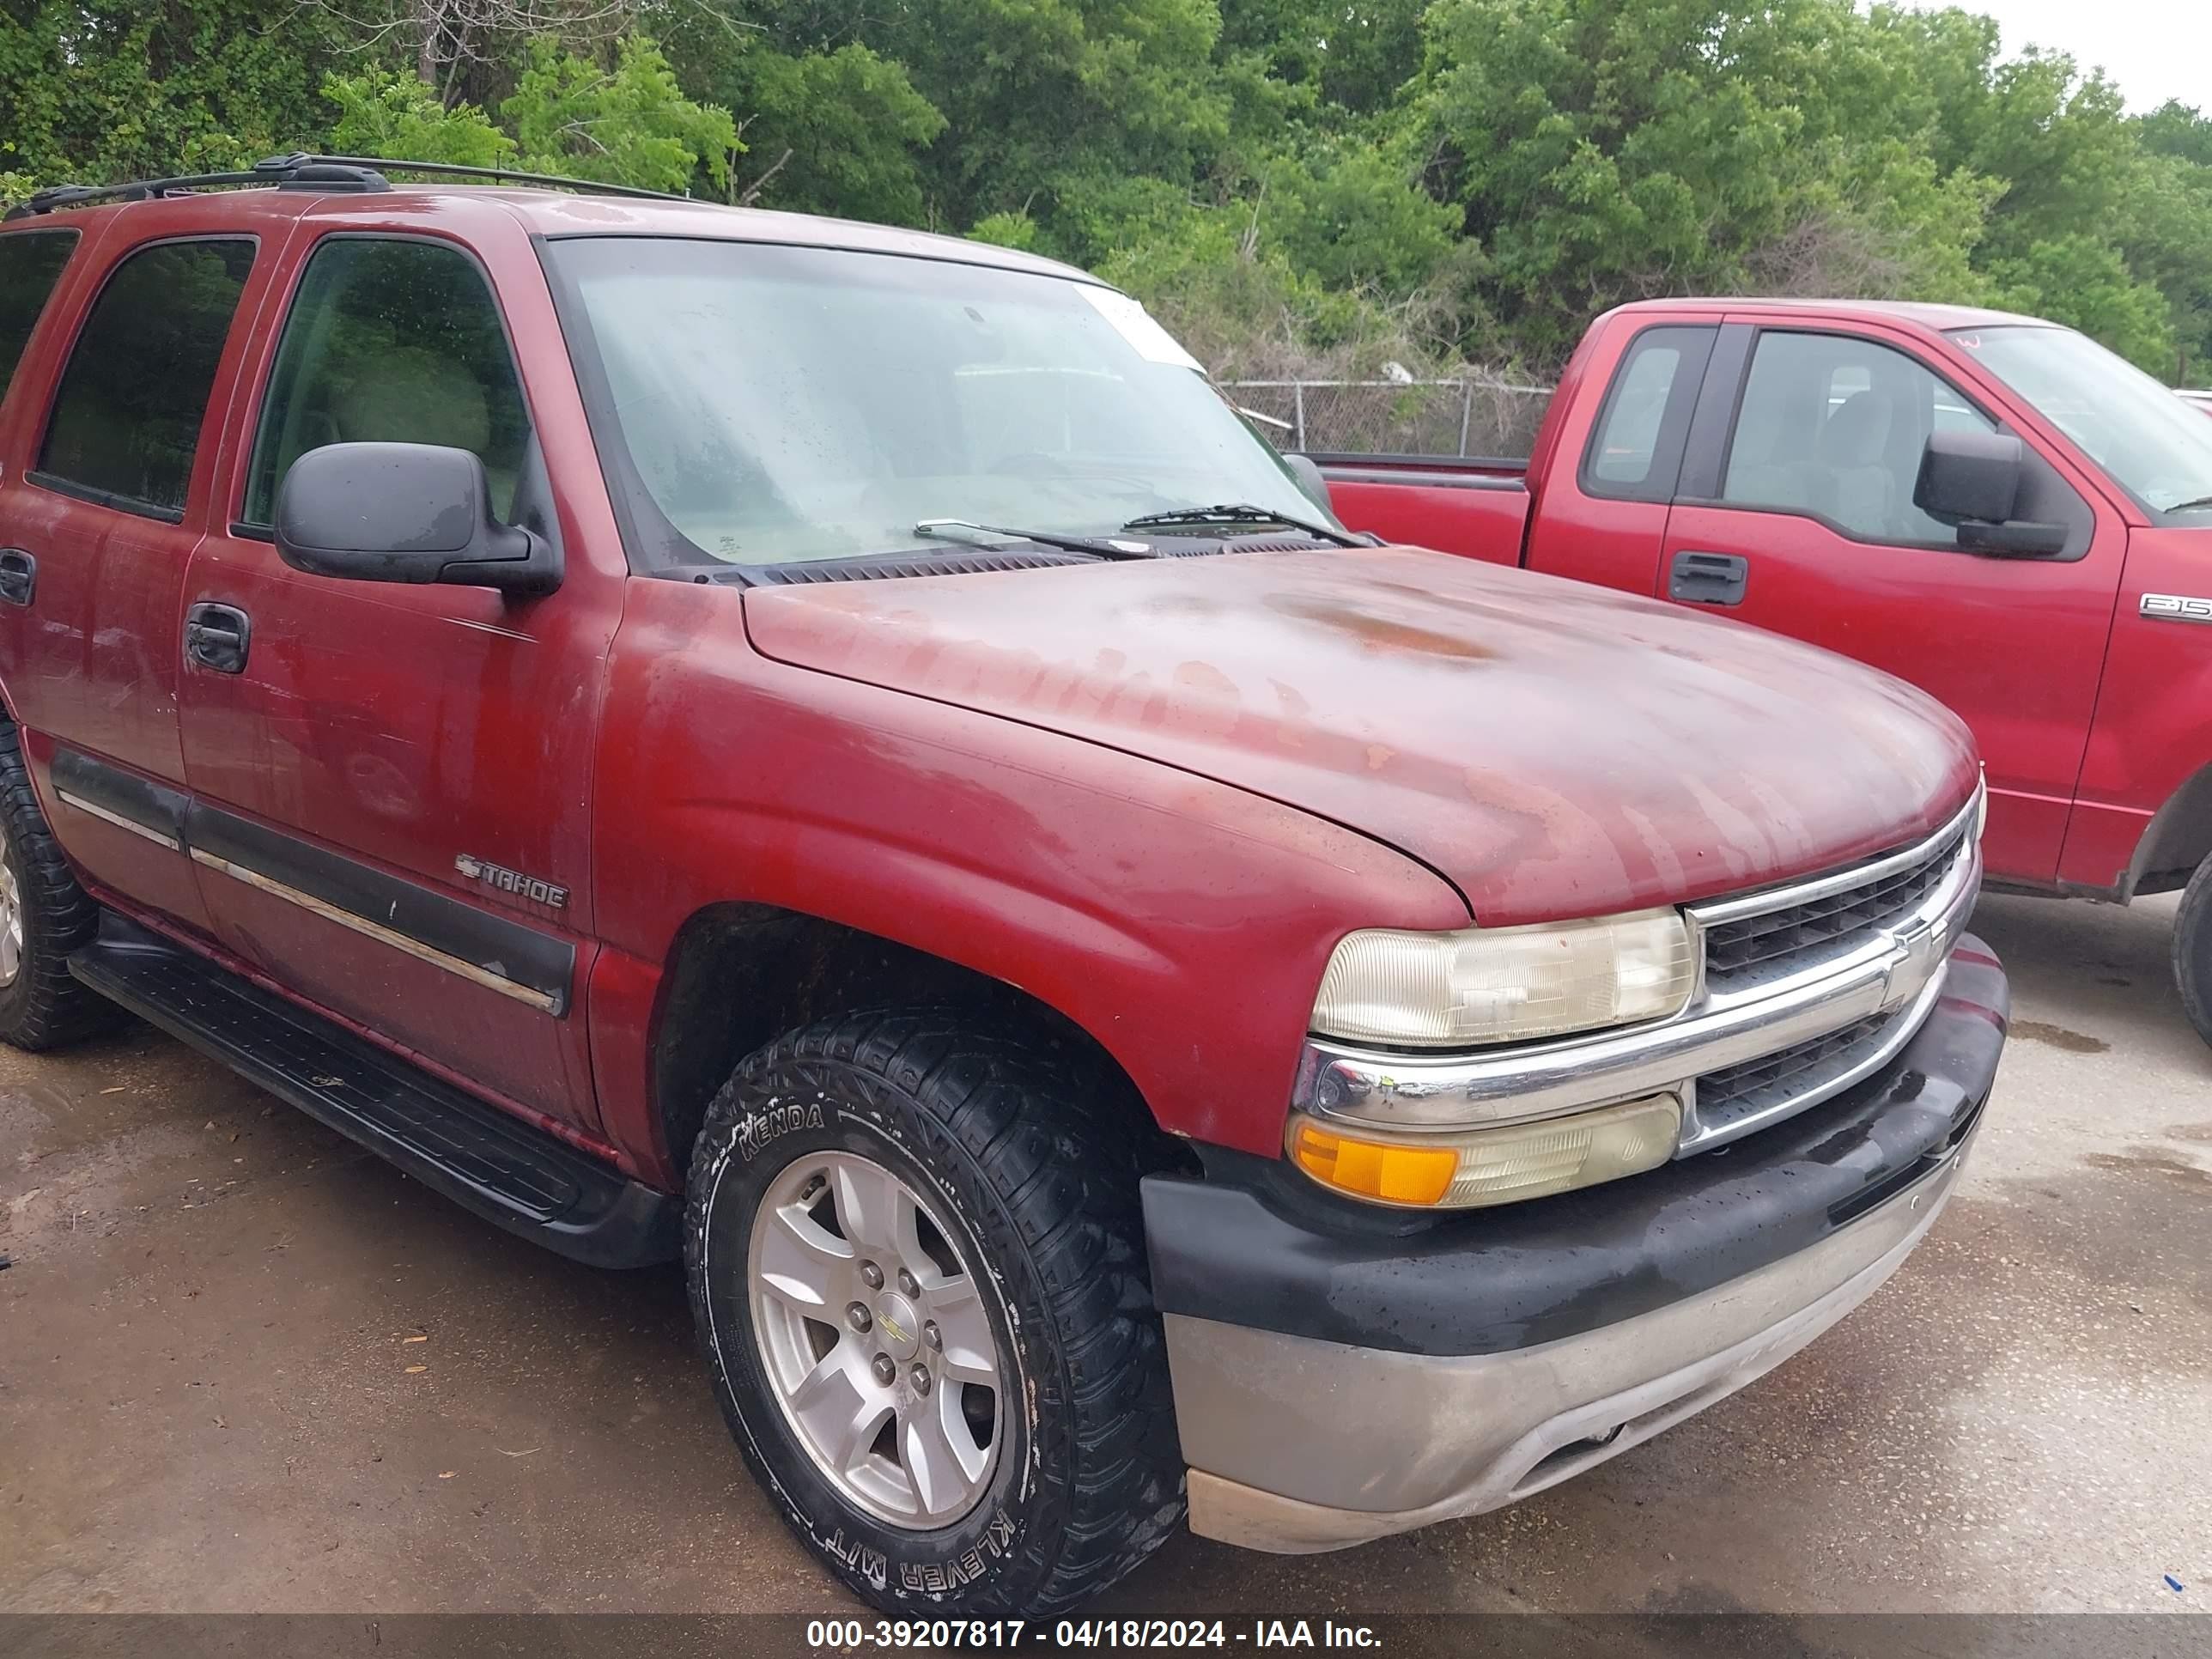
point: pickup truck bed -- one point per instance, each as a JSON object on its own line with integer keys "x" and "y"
{"x": 1476, "y": 507}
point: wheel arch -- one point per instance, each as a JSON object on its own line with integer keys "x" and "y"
{"x": 740, "y": 974}
{"x": 2177, "y": 839}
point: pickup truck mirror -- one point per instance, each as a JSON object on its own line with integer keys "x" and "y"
{"x": 1971, "y": 481}
{"x": 405, "y": 512}
{"x": 1969, "y": 476}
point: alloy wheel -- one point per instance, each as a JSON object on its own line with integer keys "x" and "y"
{"x": 875, "y": 1340}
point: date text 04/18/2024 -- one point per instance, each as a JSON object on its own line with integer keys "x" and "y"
{"x": 848, "y": 1635}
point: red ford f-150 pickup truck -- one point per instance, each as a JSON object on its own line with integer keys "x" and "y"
{"x": 1995, "y": 509}
{"x": 832, "y": 754}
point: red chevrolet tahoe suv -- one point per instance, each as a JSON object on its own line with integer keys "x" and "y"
{"x": 1995, "y": 509}
{"x": 833, "y": 754}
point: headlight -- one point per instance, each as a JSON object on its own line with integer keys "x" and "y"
{"x": 1504, "y": 984}
{"x": 1490, "y": 1166}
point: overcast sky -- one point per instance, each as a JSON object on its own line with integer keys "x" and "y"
{"x": 2153, "y": 50}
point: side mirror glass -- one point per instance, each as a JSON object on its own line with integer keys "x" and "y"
{"x": 1971, "y": 481}
{"x": 405, "y": 512}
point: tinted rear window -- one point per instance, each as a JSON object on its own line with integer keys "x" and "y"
{"x": 30, "y": 265}
{"x": 126, "y": 421}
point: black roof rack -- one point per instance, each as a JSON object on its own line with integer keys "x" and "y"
{"x": 301, "y": 171}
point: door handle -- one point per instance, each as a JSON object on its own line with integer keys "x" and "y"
{"x": 19, "y": 575}
{"x": 1708, "y": 578}
{"x": 217, "y": 636}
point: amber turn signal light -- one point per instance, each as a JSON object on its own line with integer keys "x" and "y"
{"x": 1499, "y": 1165}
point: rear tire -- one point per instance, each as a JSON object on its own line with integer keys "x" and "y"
{"x": 43, "y": 915}
{"x": 2192, "y": 949}
{"x": 1022, "y": 1235}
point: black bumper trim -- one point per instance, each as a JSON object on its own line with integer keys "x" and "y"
{"x": 1229, "y": 1249}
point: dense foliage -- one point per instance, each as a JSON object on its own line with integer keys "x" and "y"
{"x": 1297, "y": 184}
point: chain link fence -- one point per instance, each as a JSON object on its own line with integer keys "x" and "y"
{"x": 1473, "y": 415}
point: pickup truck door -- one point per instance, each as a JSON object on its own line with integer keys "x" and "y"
{"x": 391, "y": 782}
{"x": 1606, "y": 477}
{"x": 1795, "y": 512}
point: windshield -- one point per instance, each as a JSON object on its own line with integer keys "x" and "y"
{"x": 2155, "y": 447}
{"x": 782, "y": 404}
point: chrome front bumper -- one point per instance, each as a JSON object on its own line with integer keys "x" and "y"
{"x": 1335, "y": 1383}
{"x": 1898, "y": 970}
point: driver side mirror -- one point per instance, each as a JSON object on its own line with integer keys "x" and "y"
{"x": 1971, "y": 481}
{"x": 405, "y": 512}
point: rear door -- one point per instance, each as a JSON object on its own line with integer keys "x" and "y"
{"x": 100, "y": 525}
{"x": 391, "y": 782}
{"x": 1600, "y": 512}
{"x": 1795, "y": 512}
{"x": 39, "y": 669}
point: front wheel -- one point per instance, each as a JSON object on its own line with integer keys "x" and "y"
{"x": 2192, "y": 949}
{"x": 917, "y": 1267}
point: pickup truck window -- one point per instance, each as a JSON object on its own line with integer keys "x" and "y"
{"x": 1636, "y": 449}
{"x": 763, "y": 403}
{"x": 2154, "y": 446}
{"x": 126, "y": 419}
{"x": 1831, "y": 426}
{"x": 391, "y": 341}
{"x": 30, "y": 265}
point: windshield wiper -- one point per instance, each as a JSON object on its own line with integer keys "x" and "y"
{"x": 1241, "y": 512}
{"x": 2198, "y": 505}
{"x": 1099, "y": 547}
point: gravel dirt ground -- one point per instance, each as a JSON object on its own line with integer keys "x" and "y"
{"x": 244, "y": 1366}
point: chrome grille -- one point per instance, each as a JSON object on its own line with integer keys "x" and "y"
{"x": 1795, "y": 1076}
{"x": 1756, "y": 948}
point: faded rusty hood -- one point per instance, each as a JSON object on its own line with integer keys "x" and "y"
{"x": 1552, "y": 748}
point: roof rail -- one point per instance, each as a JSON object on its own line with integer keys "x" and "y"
{"x": 301, "y": 171}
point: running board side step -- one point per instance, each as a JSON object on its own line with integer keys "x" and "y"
{"x": 506, "y": 1170}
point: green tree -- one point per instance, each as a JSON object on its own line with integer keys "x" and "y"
{"x": 2179, "y": 131}
{"x": 1326, "y": 181}
{"x": 1352, "y": 216}
{"x": 628, "y": 124}
{"x": 1611, "y": 149}
{"x": 840, "y": 131}
{"x": 1358, "y": 54}
{"x": 1043, "y": 100}
{"x": 388, "y": 112}
{"x": 99, "y": 90}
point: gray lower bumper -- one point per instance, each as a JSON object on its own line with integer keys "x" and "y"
{"x": 1300, "y": 1445}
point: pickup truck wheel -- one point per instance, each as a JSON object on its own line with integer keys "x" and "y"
{"x": 917, "y": 1265}
{"x": 2192, "y": 949}
{"x": 43, "y": 915}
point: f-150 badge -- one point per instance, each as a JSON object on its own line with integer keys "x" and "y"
{"x": 2177, "y": 607}
{"x": 499, "y": 877}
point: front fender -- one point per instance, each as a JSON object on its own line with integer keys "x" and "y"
{"x": 1183, "y": 923}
